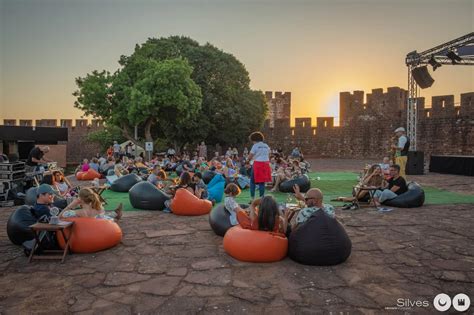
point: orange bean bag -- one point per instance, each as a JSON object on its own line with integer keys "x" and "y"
{"x": 255, "y": 246}
{"x": 185, "y": 203}
{"x": 89, "y": 175}
{"x": 91, "y": 235}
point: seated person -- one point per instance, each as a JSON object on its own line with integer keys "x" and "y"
{"x": 108, "y": 167}
{"x": 232, "y": 191}
{"x": 119, "y": 169}
{"x": 44, "y": 199}
{"x": 94, "y": 164}
{"x": 385, "y": 166}
{"x": 314, "y": 202}
{"x": 130, "y": 166}
{"x": 373, "y": 178}
{"x": 287, "y": 174}
{"x": 60, "y": 183}
{"x": 186, "y": 182}
{"x": 266, "y": 218}
{"x": 304, "y": 165}
{"x": 199, "y": 183}
{"x": 394, "y": 187}
{"x": 85, "y": 165}
{"x": 159, "y": 179}
{"x": 90, "y": 207}
{"x": 140, "y": 165}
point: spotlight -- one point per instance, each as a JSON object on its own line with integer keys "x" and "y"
{"x": 453, "y": 56}
{"x": 434, "y": 63}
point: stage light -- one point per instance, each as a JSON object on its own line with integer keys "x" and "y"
{"x": 434, "y": 63}
{"x": 422, "y": 77}
{"x": 453, "y": 56}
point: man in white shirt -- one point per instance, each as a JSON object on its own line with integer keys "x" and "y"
{"x": 116, "y": 148}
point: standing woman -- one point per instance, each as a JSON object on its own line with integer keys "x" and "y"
{"x": 261, "y": 170}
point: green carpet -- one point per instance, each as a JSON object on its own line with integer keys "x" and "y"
{"x": 332, "y": 184}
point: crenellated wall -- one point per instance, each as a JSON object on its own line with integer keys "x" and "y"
{"x": 366, "y": 127}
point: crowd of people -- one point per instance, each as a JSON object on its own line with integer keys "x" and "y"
{"x": 252, "y": 169}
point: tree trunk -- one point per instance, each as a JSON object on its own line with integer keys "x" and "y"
{"x": 128, "y": 136}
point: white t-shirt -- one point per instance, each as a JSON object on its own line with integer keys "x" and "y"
{"x": 261, "y": 152}
{"x": 116, "y": 148}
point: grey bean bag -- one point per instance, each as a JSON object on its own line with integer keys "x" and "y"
{"x": 412, "y": 198}
{"x": 18, "y": 225}
{"x": 124, "y": 183}
{"x": 219, "y": 219}
{"x": 147, "y": 196}
{"x": 303, "y": 182}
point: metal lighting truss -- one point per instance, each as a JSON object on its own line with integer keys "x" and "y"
{"x": 462, "y": 47}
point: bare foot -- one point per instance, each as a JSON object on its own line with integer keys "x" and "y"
{"x": 119, "y": 212}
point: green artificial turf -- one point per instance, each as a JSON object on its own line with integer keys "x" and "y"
{"x": 332, "y": 184}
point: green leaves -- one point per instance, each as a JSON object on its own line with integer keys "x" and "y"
{"x": 177, "y": 89}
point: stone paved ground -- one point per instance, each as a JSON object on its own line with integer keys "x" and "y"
{"x": 174, "y": 265}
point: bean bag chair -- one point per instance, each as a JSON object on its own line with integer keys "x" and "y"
{"x": 219, "y": 219}
{"x": 30, "y": 199}
{"x": 124, "y": 183}
{"x": 18, "y": 225}
{"x": 89, "y": 175}
{"x": 303, "y": 182}
{"x": 320, "y": 241}
{"x": 255, "y": 246}
{"x": 185, "y": 203}
{"x": 146, "y": 196}
{"x": 90, "y": 235}
{"x": 215, "y": 188}
{"x": 207, "y": 176}
{"x": 412, "y": 198}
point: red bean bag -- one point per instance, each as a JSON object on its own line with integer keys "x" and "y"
{"x": 185, "y": 203}
{"x": 91, "y": 235}
{"x": 89, "y": 175}
{"x": 255, "y": 246}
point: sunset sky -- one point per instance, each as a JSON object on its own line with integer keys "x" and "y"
{"x": 315, "y": 49}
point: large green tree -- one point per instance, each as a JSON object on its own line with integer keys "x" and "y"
{"x": 155, "y": 90}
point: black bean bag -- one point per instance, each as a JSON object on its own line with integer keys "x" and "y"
{"x": 147, "y": 196}
{"x": 414, "y": 197}
{"x": 30, "y": 199}
{"x": 303, "y": 182}
{"x": 219, "y": 219}
{"x": 124, "y": 183}
{"x": 320, "y": 241}
{"x": 207, "y": 176}
{"x": 18, "y": 225}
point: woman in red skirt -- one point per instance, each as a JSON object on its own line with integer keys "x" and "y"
{"x": 261, "y": 171}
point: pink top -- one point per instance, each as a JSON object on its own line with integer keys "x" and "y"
{"x": 85, "y": 167}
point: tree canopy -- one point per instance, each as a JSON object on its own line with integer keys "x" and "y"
{"x": 175, "y": 89}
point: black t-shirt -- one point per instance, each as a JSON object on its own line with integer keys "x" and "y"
{"x": 400, "y": 182}
{"x": 34, "y": 153}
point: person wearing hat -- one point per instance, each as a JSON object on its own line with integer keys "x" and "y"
{"x": 401, "y": 148}
{"x": 44, "y": 199}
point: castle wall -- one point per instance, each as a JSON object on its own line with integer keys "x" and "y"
{"x": 366, "y": 128}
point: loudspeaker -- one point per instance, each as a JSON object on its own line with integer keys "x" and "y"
{"x": 415, "y": 163}
{"x": 422, "y": 77}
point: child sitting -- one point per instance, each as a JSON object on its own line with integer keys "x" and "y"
{"x": 90, "y": 206}
{"x": 232, "y": 191}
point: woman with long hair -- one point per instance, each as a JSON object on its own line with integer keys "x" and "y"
{"x": 264, "y": 216}
{"x": 90, "y": 206}
{"x": 261, "y": 170}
